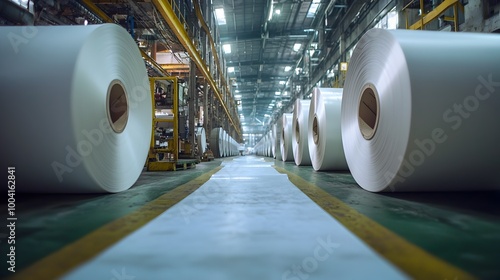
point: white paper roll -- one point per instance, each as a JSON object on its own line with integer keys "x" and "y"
{"x": 286, "y": 138}
{"x": 269, "y": 141}
{"x": 324, "y": 133}
{"x": 420, "y": 111}
{"x": 299, "y": 132}
{"x": 277, "y": 130}
{"x": 216, "y": 139}
{"x": 81, "y": 93}
{"x": 223, "y": 143}
{"x": 226, "y": 144}
{"x": 201, "y": 139}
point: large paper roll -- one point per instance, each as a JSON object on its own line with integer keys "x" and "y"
{"x": 277, "y": 130}
{"x": 286, "y": 138}
{"x": 76, "y": 108}
{"x": 269, "y": 140}
{"x": 299, "y": 132}
{"x": 201, "y": 139}
{"x": 216, "y": 139}
{"x": 416, "y": 120}
{"x": 324, "y": 133}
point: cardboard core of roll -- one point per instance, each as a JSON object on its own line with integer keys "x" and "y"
{"x": 118, "y": 109}
{"x": 297, "y": 131}
{"x": 368, "y": 112}
{"x": 315, "y": 130}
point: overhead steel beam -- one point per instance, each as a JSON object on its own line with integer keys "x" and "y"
{"x": 265, "y": 63}
{"x": 257, "y": 35}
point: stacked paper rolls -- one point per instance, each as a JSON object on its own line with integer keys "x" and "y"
{"x": 299, "y": 134}
{"x": 89, "y": 90}
{"x": 324, "y": 133}
{"x": 423, "y": 121}
{"x": 286, "y": 138}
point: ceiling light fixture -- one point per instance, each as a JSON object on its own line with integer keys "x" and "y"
{"x": 219, "y": 15}
{"x": 288, "y": 68}
{"x": 278, "y": 11}
{"x": 277, "y": 93}
{"x": 313, "y": 8}
{"x": 226, "y": 48}
{"x": 230, "y": 69}
{"x": 297, "y": 46}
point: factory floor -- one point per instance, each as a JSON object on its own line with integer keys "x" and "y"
{"x": 255, "y": 218}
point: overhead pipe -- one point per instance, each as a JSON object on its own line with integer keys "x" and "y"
{"x": 177, "y": 27}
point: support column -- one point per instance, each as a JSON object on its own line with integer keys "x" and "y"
{"x": 191, "y": 105}
{"x": 153, "y": 50}
{"x": 206, "y": 117}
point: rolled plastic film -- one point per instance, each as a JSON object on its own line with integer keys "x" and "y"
{"x": 299, "y": 132}
{"x": 423, "y": 121}
{"x": 324, "y": 133}
{"x": 286, "y": 138}
{"x": 89, "y": 90}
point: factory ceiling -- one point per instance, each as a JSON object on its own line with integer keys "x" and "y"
{"x": 267, "y": 40}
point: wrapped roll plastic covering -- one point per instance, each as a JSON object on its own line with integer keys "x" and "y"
{"x": 277, "y": 130}
{"x": 403, "y": 130}
{"x": 88, "y": 89}
{"x": 324, "y": 133}
{"x": 299, "y": 132}
{"x": 201, "y": 139}
{"x": 286, "y": 137}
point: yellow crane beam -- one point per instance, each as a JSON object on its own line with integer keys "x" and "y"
{"x": 434, "y": 14}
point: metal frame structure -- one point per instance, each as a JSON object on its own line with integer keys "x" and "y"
{"x": 434, "y": 14}
{"x": 166, "y": 9}
{"x": 153, "y": 162}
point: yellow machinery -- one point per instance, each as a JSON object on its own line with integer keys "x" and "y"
{"x": 434, "y": 14}
{"x": 164, "y": 158}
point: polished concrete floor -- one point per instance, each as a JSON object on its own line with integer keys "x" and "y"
{"x": 263, "y": 227}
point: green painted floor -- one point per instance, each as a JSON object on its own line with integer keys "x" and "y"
{"x": 460, "y": 228}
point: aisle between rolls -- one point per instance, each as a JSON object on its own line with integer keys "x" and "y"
{"x": 247, "y": 222}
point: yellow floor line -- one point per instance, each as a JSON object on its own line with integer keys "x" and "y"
{"x": 74, "y": 254}
{"x": 411, "y": 259}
